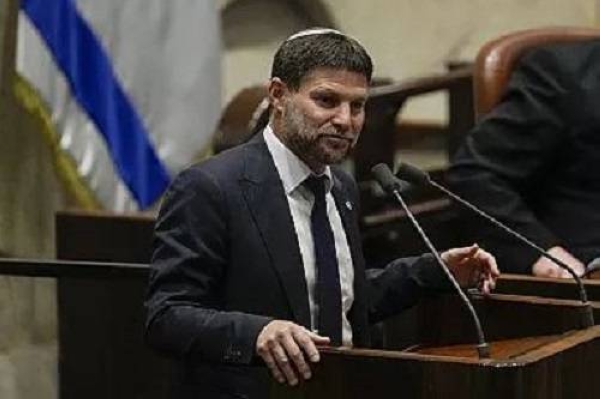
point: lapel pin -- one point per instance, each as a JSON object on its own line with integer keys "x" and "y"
{"x": 349, "y": 205}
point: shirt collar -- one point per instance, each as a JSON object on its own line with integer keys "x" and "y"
{"x": 292, "y": 170}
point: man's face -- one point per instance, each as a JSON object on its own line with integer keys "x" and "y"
{"x": 322, "y": 120}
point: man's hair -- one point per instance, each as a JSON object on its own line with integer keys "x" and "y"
{"x": 306, "y": 51}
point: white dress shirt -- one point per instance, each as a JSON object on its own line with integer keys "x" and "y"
{"x": 292, "y": 172}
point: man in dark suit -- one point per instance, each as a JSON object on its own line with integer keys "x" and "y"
{"x": 257, "y": 258}
{"x": 533, "y": 161}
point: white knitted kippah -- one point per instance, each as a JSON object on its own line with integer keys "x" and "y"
{"x": 314, "y": 31}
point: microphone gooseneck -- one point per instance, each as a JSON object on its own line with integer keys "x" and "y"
{"x": 414, "y": 175}
{"x": 391, "y": 185}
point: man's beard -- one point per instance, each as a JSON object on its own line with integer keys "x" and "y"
{"x": 304, "y": 139}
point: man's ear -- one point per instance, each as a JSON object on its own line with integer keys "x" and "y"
{"x": 277, "y": 91}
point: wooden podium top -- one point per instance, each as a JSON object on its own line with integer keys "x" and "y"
{"x": 559, "y": 367}
{"x": 561, "y": 288}
{"x": 520, "y": 351}
{"x": 500, "y": 350}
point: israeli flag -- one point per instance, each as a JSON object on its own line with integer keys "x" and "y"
{"x": 128, "y": 91}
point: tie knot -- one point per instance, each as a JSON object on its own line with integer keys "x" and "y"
{"x": 316, "y": 184}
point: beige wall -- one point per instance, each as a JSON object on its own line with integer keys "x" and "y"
{"x": 410, "y": 38}
{"x": 252, "y": 30}
{"x": 407, "y": 38}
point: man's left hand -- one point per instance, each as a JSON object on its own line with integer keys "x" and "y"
{"x": 472, "y": 266}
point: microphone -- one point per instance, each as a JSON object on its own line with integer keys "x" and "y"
{"x": 391, "y": 185}
{"x": 414, "y": 175}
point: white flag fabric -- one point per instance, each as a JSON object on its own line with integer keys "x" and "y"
{"x": 129, "y": 90}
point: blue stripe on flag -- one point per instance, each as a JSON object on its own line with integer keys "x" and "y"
{"x": 88, "y": 69}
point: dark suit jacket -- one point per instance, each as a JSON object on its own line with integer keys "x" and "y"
{"x": 533, "y": 161}
{"x": 226, "y": 262}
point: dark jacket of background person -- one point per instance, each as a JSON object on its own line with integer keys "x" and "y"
{"x": 534, "y": 161}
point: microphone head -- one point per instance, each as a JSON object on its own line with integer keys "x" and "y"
{"x": 412, "y": 174}
{"x": 385, "y": 178}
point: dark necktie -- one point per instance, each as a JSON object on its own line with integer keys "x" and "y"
{"x": 329, "y": 296}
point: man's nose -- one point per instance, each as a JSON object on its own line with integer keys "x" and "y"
{"x": 343, "y": 116}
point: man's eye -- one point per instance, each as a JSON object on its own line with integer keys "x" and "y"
{"x": 326, "y": 101}
{"x": 357, "y": 107}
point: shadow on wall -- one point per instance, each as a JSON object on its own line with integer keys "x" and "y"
{"x": 268, "y": 20}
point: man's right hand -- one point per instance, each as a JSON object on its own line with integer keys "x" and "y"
{"x": 285, "y": 346}
{"x": 544, "y": 267}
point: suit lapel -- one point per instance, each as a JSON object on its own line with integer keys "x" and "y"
{"x": 347, "y": 208}
{"x": 264, "y": 194}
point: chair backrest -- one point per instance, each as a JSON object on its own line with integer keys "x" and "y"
{"x": 243, "y": 115}
{"x": 497, "y": 59}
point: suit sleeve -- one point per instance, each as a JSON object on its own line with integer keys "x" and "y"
{"x": 189, "y": 262}
{"x": 401, "y": 284}
{"x": 504, "y": 160}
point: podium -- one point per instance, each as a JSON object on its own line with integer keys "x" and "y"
{"x": 543, "y": 367}
{"x": 533, "y": 325}
{"x": 538, "y": 352}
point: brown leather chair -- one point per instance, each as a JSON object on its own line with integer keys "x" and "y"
{"x": 242, "y": 117}
{"x": 497, "y": 59}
